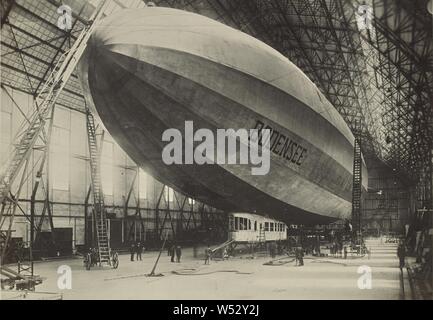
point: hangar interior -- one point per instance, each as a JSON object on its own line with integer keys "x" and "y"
{"x": 379, "y": 78}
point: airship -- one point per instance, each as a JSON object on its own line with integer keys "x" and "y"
{"x": 148, "y": 70}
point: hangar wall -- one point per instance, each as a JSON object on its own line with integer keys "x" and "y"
{"x": 69, "y": 180}
{"x": 386, "y": 206}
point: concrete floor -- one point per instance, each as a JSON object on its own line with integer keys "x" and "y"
{"x": 237, "y": 278}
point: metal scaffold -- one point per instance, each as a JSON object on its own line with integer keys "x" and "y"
{"x": 185, "y": 219}
{"x": 34, "y": 135}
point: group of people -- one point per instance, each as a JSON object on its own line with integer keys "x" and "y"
{"x": 136, "y": 249}
{"x": 336, "y": 249}
{"x": 403, "y": 250}
{"x": 175, "y": 252}
{"x": 94, "y": 255}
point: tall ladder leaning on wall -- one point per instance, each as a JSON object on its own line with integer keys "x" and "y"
{"x": 357, "y": 182}
{"x": 99, "y": 213}
{"x": 34, "y": 126}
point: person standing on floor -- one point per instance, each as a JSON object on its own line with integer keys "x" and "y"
{"x": 178, "y": 253}
{"x": 225, "y": 254}
{"x": 208, "y": 254}
{"x": 169, "y": 246}
{"x": 173, "y": 252}
{"x": 139, "y": 249}
{"x": 300, "y": 256}
{"x": 132, "y": 250}
{"x": 401, "y": 253}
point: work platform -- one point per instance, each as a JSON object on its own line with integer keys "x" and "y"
{"x": 238, "y": 278}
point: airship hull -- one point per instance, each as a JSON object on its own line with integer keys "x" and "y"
{"x": 144, "y": 74}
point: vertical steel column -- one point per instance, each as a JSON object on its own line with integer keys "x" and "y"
{"x": 157, "y": 214}
{"x": 431, "y": 209}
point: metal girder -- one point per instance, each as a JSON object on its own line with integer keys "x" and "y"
{"x": 312, "y": 49}
{"x": 30, "y": 35}
{"x": 59, "y": 52}
{"x": 408, "y": 66}
{"x": 37, "y": 78}
{"x": 317, "y": 34}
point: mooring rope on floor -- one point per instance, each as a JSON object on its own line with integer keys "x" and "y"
{"x": 278, "y": 262}
{"x": 126, "y": 277}
{"x": 329, "y": 261}
{"x": 179, "y": 273}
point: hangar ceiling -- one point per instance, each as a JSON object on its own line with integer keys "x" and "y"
{"x": 372, "y": 59}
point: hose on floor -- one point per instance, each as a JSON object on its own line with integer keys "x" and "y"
{"x": 193, "y": 272}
